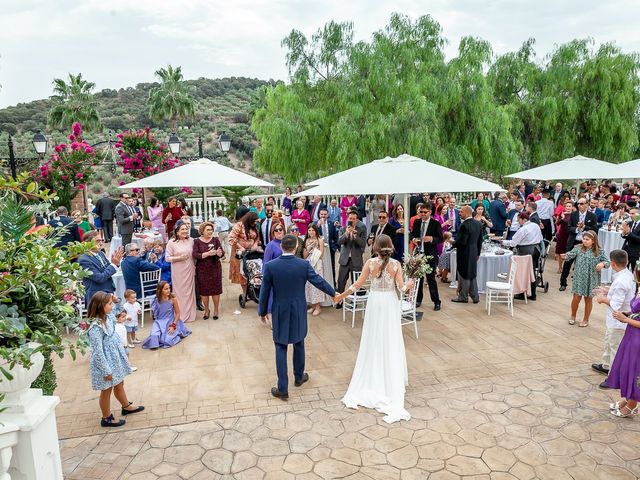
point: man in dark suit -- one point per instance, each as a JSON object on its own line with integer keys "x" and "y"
{"x": 414, "y": 200}
{"x": 558, "y": 192}
{"x": 106, "y": 210}
{"x": 579, "y": 222}
{"x": 315, "y": 206}
{"x": 382, "y": 228}
{"x": 498, "y": 213}
{"x": 65, "y": 227}
{"x": 125, "y": 218}
{"x": 132, "y": 265}
{"x": 426, "y": 234}
{"x": 631, "y": 235}
{"x": 329, "y": 233}
{"x": 352, "y": 242}
{"x": 468, "y": 246}
{"x": 361, "y": 206}
{"x": 286, "y": 277}
{"x": 267, "y": 224}
{"x": 100, "y": 267}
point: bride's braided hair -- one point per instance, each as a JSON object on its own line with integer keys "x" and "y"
{"x": 383, "y": 247}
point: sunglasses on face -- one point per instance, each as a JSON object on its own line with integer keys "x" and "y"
{"x": 294, "y": 230}
{"x": 278, "y": 230}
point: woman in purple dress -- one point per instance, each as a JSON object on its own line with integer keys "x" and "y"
{"x": 625, "y": 371}
{"x": 167, "y": 329}
{"x": 207, "y": 250}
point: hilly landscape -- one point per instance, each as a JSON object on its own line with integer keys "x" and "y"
{"x": 220, "y": 105}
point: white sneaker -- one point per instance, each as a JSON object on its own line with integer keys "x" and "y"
{"x": 133, "y": 369}
{"x": 136, "y": 341}
{"x": 131, "y": 345}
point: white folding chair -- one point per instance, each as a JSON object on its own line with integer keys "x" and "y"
{"x": 408, "y": 302}
{"x": 148, "y": 285}
{"x": 501, "y": 292}
{"x": 81, "y": 310}
{"x": 357, "y": 301}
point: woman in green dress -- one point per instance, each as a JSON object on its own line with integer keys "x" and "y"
{"x": 590, "y": 260}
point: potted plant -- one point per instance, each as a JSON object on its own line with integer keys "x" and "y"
{"x": 38, "y": 287}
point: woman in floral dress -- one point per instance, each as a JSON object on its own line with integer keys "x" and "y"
{"x": 313, "y": 253}
{"x": 590, "y": 261}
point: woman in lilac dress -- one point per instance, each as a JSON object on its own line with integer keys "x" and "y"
{"x": 168, "y": 329}
{"x": 154, "y": 210}
{"x": 625, "y": 370}
{"x": 179, "y": 253}
{"x": 272, "y": 251}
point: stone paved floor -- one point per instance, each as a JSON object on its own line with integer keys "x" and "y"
{"x": 491, "y": 397}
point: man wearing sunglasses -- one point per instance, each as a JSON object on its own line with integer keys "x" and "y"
{"x": 579, "y": 222}
{"x": 266, "y": 227}
{"x": 382, "y": 228}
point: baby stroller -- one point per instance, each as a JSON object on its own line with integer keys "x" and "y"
{"x": 539, "y": 269}
{"x": 251, "y": 268}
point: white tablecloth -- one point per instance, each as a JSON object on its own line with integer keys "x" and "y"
{"x": 118, "y": 280}
{"x": 489, "y": 266}
{"x": 138, "y": 238}
{"x": 609, "y": 240}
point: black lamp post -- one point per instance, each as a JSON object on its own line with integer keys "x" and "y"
{"x": 174, "y": 143}
{"x": 224, "y": 141}
{"x": 200, "y": 151}
{"x": 40, "y": 143}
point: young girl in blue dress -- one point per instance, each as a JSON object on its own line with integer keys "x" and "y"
{"x": 168, "y": 329}
{"x": 107, "y": 359}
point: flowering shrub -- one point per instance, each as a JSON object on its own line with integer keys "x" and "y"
{"x": 69, "y": 167}
{"x": 142, "y": 155}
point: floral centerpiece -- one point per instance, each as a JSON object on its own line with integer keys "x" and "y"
{"x": 416, "y": 265}
{"x": 69, "y": 168}
{"x": 39, "y": 284}
{"x": 142, "y": 155}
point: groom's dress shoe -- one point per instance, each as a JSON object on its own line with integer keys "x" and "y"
{"x": 305, "y": 378}
{"x": 278, "y": 394}
{"x": 459, "y": 300}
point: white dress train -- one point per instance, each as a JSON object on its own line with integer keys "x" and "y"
{"x": 380, "y": 374}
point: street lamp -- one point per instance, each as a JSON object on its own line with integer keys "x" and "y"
{"x": 225, "y": 142}
{"x": 174, "y": 143}
{"x": 40, "y": 143}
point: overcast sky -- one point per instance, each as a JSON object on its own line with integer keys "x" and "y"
{"x": 118, "y": 43}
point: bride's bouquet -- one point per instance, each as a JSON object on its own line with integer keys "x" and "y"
{"x": 416, "y": 266}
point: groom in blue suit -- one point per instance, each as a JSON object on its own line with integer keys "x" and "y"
{"x": 286, "y": 277}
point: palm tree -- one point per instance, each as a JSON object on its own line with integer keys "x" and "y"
{"x": 172, "y": 98}
{"x": 74, "y": 102}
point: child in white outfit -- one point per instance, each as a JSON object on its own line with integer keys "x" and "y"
{"x": 133, "y": 309}
{"x": 121, "y": 330}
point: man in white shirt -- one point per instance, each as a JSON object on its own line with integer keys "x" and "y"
{"x": 618, "y": 299}
{"x": 527, "y": 241}
{"x": 512, "y": 221}
{"x": 545, "y": 210}
{"x": 557, "y": 193}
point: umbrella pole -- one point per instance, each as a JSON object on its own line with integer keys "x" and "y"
{"x": 204, "y": 204}
{"x": 406, "y": 223}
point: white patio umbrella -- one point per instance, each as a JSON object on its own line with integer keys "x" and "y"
{"x": 574, "y": 168}
{"x": 630, "y": 169}
{"x": 201, "y": 173}
{"x": 405, "y": 174}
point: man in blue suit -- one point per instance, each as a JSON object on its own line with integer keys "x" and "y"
{"x": 132, "y": 265}
{"x": 329, "y": 233}
{"x": 99, "y": 266}
{"x": 498, "y": 213}
{"x": 286, "y": 278}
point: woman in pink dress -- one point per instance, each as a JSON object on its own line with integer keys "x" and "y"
{"x": 300, "y": 217}
{"x": 347, "y": 202}
{"x": 443, "y": 223}
{"x": 179, "y": 253}
{"x": 154, "y": 210}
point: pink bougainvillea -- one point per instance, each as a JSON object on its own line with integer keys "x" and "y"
{"x": 141, "y": 155}
{"x": 69, "y": 168}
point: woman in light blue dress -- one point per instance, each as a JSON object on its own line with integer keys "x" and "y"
{"x": 107, "y": 359}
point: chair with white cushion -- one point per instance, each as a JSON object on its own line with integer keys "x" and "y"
{"x": 501, "y": 292}
{"x": 148, "y": 284}
{"x": 408, "y": 302}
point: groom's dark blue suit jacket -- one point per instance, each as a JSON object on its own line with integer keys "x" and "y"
{"x": 287, "y": 276}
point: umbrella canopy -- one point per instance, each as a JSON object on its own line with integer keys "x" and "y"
{"x": 574, "y": 168}
{"x": 403, "y": 174}
{"x": 629, "y": 169}
{"x": 199, "y": 173}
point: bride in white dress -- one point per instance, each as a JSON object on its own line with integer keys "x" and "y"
{"x": 380, "y": 374}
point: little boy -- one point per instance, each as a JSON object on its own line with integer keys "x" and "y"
{"x": 620, "y": 294}
{"x": 133, "y": 309}
{"x": 121, "y": 331}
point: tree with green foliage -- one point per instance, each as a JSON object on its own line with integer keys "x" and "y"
{"x": 74, "y": 102}
{"x": 172, "y": 99}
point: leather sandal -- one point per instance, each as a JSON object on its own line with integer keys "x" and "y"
{"x": 621, "y": 414}
{"x": 617, "y": 405}
{"x": 572, "y": 321}
{"x": 111, "y": 422}
{"x": 583, "y": 324}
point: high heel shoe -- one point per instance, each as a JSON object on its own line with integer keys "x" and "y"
{"x": 316, "y": 312}
{"x": 206, "y": 315}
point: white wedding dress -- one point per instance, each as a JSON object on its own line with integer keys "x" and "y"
{"x": 380, "y": 374}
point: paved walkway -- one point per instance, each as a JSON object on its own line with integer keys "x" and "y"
{"x": 491, "y": 397}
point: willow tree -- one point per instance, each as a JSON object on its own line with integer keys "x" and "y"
{"x": 172, "y": 99}
{"x": 74, "y": 102}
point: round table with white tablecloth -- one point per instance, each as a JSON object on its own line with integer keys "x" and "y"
{"x": 609, "y": 240}
{"x": 118, "y": 281}
{"x": 489, "y": 266}
{"x": 138, "y": 238}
